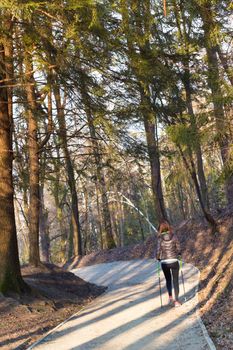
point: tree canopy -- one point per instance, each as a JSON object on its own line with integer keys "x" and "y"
{"x": 114, "y": 116}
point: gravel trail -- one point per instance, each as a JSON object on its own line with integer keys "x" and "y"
{"x": 129, "y": 315}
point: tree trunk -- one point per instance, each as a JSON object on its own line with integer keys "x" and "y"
{"x": 8, "y": 47}
{"x": 181, "y": 201}
{"x": 99, "y": 217}
{"x": 59, "y": 206}
{"x": 117, "y": 221}
{"x": 192, "y": 171}
{"x": 75, "y": 227}
{"x": 10, "y": 276}
{"x": 86, "y": 236}
{"x": 142, "y": 28}
{"x": 206, "y": 213}
{"x": 197, "y": 144}
{"x": 23, "y": 244}
{"x": 193, "y": 210}
{"x": 34, "y": 168}
{"x": 224, "y": 62}
{"x": 43, "y": 215}
{"x": 149, "y": 124}
{"x": 115, "y": 232}
{"x": 107, "y": 227}
{"x": 44, "y": 228}
{"x": 122, "y": 222}
{"x": 211, "y": 46}
{"x": 184, "y": 36}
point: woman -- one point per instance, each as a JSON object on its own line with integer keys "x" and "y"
{"x": 168, "y": 251}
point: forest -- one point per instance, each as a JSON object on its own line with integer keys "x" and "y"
{"x": 114, "y": 116}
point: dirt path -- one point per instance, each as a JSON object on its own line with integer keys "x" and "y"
{"x": 128, "y": 316}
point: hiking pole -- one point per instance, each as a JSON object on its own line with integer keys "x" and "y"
{"x": 160, "y": 291}
{"x": 182, "y": 276}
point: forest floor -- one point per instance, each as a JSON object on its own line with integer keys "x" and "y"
{"x": 58, "y": 294}
{"x": 213, "y": 255}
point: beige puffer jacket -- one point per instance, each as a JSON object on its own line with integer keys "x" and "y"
{"x": 168, "y": 247}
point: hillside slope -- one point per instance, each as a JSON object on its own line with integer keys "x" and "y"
{"x": 55, "y": 296}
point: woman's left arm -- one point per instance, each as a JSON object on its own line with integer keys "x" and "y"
{"x": 158, "y": 249}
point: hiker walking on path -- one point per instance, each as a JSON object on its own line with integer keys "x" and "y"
{"x": 168, "y": 252}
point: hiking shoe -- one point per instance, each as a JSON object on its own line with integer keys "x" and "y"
{"x": 177, "y": 303}
{"x": 170, "y": 301}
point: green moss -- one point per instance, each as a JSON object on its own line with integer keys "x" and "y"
{"x": 12, "y": 283}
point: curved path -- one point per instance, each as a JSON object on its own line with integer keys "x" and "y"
{"x": 129, "y": 315}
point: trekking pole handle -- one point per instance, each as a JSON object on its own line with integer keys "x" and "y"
{"x": 181, "y": 263}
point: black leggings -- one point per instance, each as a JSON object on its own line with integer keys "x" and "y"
{"x": 168, "y": 270}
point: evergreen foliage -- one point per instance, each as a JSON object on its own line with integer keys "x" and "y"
{"x": 127, "y": 110}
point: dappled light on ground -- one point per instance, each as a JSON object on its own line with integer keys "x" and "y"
{"x": 129, "y": 315}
